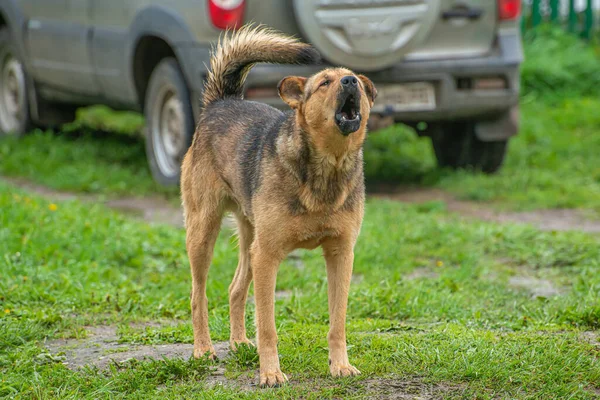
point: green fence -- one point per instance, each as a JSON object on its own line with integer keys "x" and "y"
{"x": 582, "y": 22}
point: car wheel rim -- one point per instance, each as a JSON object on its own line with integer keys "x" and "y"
{"x": 168, "y": 131}
{"x": 12, "y": 95}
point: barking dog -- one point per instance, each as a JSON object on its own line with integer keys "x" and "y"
{"x": 292, "y": 180}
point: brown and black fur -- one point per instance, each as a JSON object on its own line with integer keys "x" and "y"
{"x": 292, "y": 180}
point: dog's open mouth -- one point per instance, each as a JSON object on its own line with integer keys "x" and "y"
{"x": 348, "y": 115}
{"x": 349, "y": 111}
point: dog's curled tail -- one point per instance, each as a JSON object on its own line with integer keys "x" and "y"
{"x": 237, "y": 52}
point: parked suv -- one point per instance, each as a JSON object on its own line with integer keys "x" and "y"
{"x": 448, "y": 67}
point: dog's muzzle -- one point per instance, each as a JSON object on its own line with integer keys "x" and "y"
{"x": 348, "y": 115}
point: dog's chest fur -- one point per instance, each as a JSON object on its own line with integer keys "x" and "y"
{"x": 328, "y": 186}
{"x": 307, "y": 230}
{"x": 316, "y": 182}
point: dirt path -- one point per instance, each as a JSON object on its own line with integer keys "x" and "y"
{"x": 158, "y": 210}
{"x": 547, "y": 220}
{"x": 101, "y": 349}
{"x": 151, "y": 209}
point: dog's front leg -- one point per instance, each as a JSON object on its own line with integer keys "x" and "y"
{"x": 339, "y": 256}
{"x": 265, "y": 264}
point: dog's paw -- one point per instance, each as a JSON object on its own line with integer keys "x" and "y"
{"x": 235, "y": 343}
{"x": 338, "y": 370}
{"x": 272, "y": 379}
{"x": 208, "y": 352}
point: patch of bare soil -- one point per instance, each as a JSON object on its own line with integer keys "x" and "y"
{"x": 592, "y": 337}
{"x": 549, "y": 220}
{"x": 422, "y": 272}
{"x": 537, "y": 287}
{"x": 150, "y": 209}
{"x": 295, "y": 258}
{"x": 413, "y": 389}
{"x": 279, "y": 295}
{"x": 101, "y": 348}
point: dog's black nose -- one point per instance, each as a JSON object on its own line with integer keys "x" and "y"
{"x": 349, "y": 81}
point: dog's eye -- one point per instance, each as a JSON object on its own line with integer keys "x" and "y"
{"x": 324, "y": 83}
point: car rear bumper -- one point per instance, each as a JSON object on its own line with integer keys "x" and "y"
{"x": 454, "y": 99}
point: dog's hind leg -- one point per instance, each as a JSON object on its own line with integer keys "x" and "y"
{"x": 238, "y": 290}
{"x": 202, "y": 223}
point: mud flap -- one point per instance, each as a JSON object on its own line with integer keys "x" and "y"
{"x": 501, "y": 128}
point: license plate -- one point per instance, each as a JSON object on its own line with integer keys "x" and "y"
{"x": 418, "y": 96}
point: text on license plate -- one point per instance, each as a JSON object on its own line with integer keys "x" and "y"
{"x": 416, "y": 96}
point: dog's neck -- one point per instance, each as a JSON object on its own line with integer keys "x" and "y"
{"x": 326, "y": 178}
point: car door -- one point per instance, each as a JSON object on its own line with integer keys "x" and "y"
{"x": 43, "y": 38}
{"x": 57, "y": 38}
{"x": 78, "y": 59}
{"x": 111, "y": 20}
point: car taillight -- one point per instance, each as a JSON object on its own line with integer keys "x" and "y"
{"x": 226, "y": 14}
{"x": 509, "y": 9}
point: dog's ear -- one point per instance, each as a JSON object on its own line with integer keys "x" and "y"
{"x": 291, "y": 90}
{"x": 369, "y": 88}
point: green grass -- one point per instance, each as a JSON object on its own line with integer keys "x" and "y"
{"x": 70, "y": 265}
{"x": 558, "y": 64}
{"x": 103, "y": 118}
{"x": 100, "y": 162}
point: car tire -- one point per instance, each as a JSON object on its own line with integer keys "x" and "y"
{"x": 15, "y": 118}
{"x": 169, "y": 121}
{"x": 457, "y": 146}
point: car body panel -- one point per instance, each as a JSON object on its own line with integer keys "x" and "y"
{"x": 453, "y": 38}
{"x": 15, "y": 20}
{"x": 82, "y": 51}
